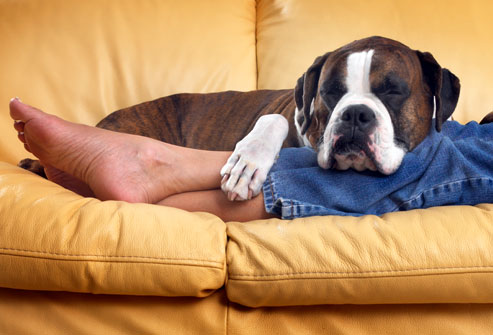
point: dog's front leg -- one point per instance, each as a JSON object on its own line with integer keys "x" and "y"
{"x": 246, "y": 170}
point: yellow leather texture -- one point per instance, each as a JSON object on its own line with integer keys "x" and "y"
{"x": 53, "y": 239}
{"x": 438, "y": 255}
{"x": 363, "y": 319}
{"x": 292, "y": 33}
{"x": 62, "y": 313}
{"x": 82, "y": 60}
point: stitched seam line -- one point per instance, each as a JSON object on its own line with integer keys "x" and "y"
{"x": 202, "y": 266}
{"x": 232, "y": 276}
{"x": 293, "y": 203}
{"x": 275, "y": 208}
{"x": 271, "y": 190}
{"x": 113, "y": 256}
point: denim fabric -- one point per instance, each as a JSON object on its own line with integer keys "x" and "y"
{"x": 451, "y": 167}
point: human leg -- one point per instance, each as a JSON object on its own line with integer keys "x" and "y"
{"x": 215, "y": 202}
{"x": 117, "y": 166}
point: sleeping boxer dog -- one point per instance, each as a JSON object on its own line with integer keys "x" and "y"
{"x": 362, "y": 106}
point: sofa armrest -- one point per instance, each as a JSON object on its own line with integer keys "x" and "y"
{"x": 437, "y": 255}
{"x": 53, "y": 239}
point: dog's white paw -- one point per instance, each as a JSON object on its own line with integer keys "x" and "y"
{"x": 246, "y": 170}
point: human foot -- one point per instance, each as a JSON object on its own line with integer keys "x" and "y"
{"x": 115, "y": 166}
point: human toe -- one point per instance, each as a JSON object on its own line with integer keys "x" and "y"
{"x": 19, "y": 126}
{"x": 19, "y": 111}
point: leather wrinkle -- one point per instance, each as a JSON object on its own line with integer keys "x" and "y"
{"x": 108, "y": 256}
{"x": 232, "y": 276}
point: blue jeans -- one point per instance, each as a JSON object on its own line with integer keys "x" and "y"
{"x": 453, "y": 167}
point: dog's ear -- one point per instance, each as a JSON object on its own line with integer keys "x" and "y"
{"x": 306, "y": 90}
{"x": 444, "y": 85}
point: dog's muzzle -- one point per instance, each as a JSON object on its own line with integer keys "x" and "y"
{"x": 357, "y": 118}
{"x": 360, "y": 138}
{"x": 352, "y": 145}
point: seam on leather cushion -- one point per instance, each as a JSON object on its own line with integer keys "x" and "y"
{"x": 136, "y": 259}
{"x": 382, "y": 273}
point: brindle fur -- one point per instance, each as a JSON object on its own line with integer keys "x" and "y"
{"x": 214, "y": 121}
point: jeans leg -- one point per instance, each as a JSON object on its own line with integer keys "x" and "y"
{"x": 454, "y": 167}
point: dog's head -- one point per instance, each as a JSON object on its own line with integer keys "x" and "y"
{"x": 365, "y": 105}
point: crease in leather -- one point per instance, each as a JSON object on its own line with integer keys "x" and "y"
{"x": 288, "y": 276}
{"x": 121, "y": 262}
{"x": 138, "y": 259}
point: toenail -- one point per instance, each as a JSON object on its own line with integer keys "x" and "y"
{"x": 21, "y": 133}
{"x": 16, "y": 98}
{"x": 17, "y": 121}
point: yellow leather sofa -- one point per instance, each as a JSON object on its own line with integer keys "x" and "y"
{"x": 73, "y": 265}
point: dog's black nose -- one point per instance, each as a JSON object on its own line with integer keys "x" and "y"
{"x": 359, "y": 116}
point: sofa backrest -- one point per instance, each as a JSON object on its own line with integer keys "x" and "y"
{"x": 84, "y": 59}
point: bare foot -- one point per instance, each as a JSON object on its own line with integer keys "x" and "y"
{"x": 112, "y": 165}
